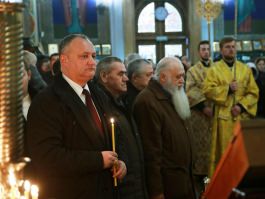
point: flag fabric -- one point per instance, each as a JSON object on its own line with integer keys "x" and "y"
{"x": 244, "y": 18}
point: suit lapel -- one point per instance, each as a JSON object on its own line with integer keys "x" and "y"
{"x": 78, "y": 108}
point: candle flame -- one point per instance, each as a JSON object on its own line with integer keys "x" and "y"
{"x": 27, "y": 185}
{"x": 12, "y": 177}
{"x": 34, "y": 191}
{"x": 112, "y": 120}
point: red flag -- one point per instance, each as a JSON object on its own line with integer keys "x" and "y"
{"x": 246, "y": 25}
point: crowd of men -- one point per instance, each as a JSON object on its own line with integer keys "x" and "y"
{"x": 169, "y": 133}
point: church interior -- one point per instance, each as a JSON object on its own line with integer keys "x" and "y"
{"x": 121, "y": 27}
{"x": 154, "y": 29}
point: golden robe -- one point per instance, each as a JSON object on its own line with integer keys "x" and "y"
{"x": 201, "y": 124}
{"x": 216, "y": 87}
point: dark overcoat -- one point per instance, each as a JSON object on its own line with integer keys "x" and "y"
{"x": 65, "y": 145}
{"x": 129, "y": 149}
{"x": 166, "y": 144}
{"x": 130, "y": 96}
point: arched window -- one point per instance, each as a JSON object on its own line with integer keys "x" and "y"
{"x": 146, "y": 20}
{"x": 160, "y": 30}
{"x": 173, "y": 22}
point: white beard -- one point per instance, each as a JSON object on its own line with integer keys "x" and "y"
{"x": 180, "y": 101}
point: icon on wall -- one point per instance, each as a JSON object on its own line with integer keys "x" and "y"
{"x": 74, "y": 16}
{"x": 238, "y": 46}
{"x": 98, "y": 49}
{"x": 247, "y": 45}
{"x": 106, "y": 49}
{"x": 52, "y": 48}
{"x": 216, "y": 47}
{"x": 257, "y": 45}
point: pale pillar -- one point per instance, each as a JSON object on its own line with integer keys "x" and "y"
{"x": 205, "y": 32}
{"x": 116, "y": 29}
{"x": 194, "y": 31}
{"x": 219, "y": 27}
{"x": 129, "y": 26}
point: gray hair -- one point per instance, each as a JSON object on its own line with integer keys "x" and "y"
{"x": 67, "y": 40}
{"x": 104, "y": 65}
{"x": 166, "y": 63}
{"x": 130, "y": 57}
{"x": 136, "y": 67}
{"x": 29, "y": 58}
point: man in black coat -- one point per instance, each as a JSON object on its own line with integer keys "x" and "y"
{"x": 111, "y": 77}
{"x": 71, "y": 155}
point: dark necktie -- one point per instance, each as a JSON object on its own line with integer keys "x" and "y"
{"x": 91, "y": 107}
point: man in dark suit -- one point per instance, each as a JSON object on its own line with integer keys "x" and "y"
{"x": 70, "y": 151}
{"x": 111, "y": 78}
{"x": 161, "y": 111}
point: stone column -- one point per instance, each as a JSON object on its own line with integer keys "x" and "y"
{"x": 129, "y": 25}
{"x": 116, "y": 29}
{"x": 194, "y": 31}
{"x": 205, "y": 32}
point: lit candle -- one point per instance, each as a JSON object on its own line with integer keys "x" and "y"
{"x": 26, "y": 189}
{"x": 113, "y": 134}
{"x": 113, "y": 147}
{"x": 11, "y": 177}
{"x": 34, "y": 192}
{"x": 17, "y": 193}
{"x": 2, "y": 191}
{"x": 12, "y": 182}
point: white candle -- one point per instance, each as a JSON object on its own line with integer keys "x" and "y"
{"x": 12, "y": 182}
{"x": 113, "y": 146}
{"x": 113, "y": 134}
{"x": 26, "y": 189}
{"x": 2, "y": 191}
{"x": 12, "y": 177}
{"x": 34, "y": 192}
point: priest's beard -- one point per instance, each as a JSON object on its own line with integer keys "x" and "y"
{"x": 179, "y": 99}
{"x": 229, "y": 58}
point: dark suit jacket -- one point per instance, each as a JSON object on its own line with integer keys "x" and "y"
{"x": 65, "y": 145}
{"x": 129, "y": 149}
{"x": 130, "y": 96}
{"x": 166, "y": 144}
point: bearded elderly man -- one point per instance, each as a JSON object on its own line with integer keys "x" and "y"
{"x": 161, "y": 111}
{"x": 232, "y": 88}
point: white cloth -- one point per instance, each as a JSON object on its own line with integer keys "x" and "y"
{"x": 79, "y": 90}
{"x": 25, "y": 105}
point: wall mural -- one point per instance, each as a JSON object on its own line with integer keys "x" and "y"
{"x": 251, "y": 16}
{"x": 74, "y": 16}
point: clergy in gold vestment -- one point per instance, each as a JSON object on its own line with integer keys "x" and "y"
{"x": 232, "y": 88}
{"x": 201, "y": 114}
